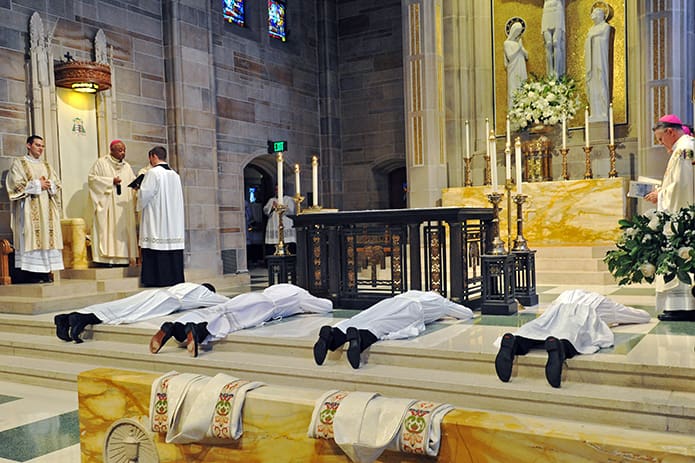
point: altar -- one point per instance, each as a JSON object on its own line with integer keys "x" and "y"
{"x": 561, "y": 213}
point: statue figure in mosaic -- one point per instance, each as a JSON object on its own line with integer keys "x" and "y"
{"x": 515, "y": 57}
{"x": 597, "y": 59}
{"x": 553, "y": 30}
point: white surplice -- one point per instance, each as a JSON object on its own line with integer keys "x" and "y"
{"x": 581, "y": 317}
{"x": 160, "y": 203}
{"x": 253, "y": 309}
{"x": 114, "y": 239}
{"x": 271, "y": 230}
{"x": 405, "y": 315}
{"x": 153, "y": 303}
{"x": 35, "y": 215}
{"x": 677, "y": 189}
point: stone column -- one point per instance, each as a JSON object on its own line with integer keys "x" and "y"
{"x": 666, "y": 31}
{"x": 191, "y": 125}
{"x": 423, "y": 64}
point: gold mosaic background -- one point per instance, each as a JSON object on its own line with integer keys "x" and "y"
{"x": 577, "y": 24}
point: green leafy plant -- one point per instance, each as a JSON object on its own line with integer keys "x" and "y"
{"x": 655, "y": 243}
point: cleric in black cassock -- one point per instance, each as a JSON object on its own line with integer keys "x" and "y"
{"x": 160, "y": 201}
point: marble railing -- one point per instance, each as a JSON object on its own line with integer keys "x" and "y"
{"x": 276, "y": 419}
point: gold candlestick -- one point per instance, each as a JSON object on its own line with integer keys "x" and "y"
{"x": 297, "y": 198}
{"x": 497, "y": 243}
{"x": 468, "y": 180}
{"x": 612, "y": 173}
{"x": 520, "y": 243}
{"x": 563, "y": 152}
{"x": 280, "y": 246}
{"x": 587, "y": 162}
{"x": 488, "y": 172}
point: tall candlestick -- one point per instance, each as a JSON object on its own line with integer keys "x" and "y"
{"x": 280, "y": 180}
{"x": 297, "y": 188}
{"x": 586, "y": 127}
{"x": 468, "y": 140}
{"x": 517, "y": 155}
{"x": 610, "y": 123}
{"x": 564, "y": 131}
{"x": 493, "y": 159}
{"x": 507, "y": 162}
{"x": 315, "y": 179}
{"x": 509, "y": 133}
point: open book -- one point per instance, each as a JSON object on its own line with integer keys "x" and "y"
{"x": 138, "y": 180}
{"x": 642, "y": 186}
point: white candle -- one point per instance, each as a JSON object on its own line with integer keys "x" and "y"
{"x": 509, "y": 133}
{"x": 296, "y": 180}
{"x": 487, "y": 132}
{"x": 468, "y": 140}
{"x": 564, "y": 131}
{"x": 610, "y": 123}
{"x": 586, "y": 127}
{"x": 517, "y": 155}
{"x": 507, "y": 163}
{"x": 315, "y": 179}
{"x": 493, "y": 160}
{"x": 280, "y": 181}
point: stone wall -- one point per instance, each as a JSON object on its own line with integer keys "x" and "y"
{"x": 371, "y": 92}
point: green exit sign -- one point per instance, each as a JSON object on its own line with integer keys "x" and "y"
{"x": 277, "y": 146}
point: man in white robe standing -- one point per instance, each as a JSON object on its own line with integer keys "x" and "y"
{"x": 402, "y": 316}
{"x": 160, "y": 201}
{"x": 142, "y": 306}
{"x": 574, "y": 323}
{"x": 289, "y": 234}
{"x": 677, "y": 191}
{"x": 34, "y": 188}
{"x": 243, "y": 311}
{"x": 114, "y": 238}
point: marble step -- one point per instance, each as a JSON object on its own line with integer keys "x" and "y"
{"x": 24, "y": 356}
{"x": 568, "y": 252}
{"x": 41, "y": 305}
{"x": 571, "y": 265}
{"x": 574, "y": 277}
{"x": 605, "y": 369}
{"x": 49, "y": 290}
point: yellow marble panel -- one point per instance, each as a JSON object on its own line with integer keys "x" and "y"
{"x": 276, "y": 420}
{"x": 563, "y": 213}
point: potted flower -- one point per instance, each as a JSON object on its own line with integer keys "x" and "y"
{"x": 543, "y": 101}
{"x": 655, "y": 243}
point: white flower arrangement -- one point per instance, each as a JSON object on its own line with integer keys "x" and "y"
{"x": 543, "y": 101}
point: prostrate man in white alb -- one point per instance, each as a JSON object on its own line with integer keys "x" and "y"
{"x": 577, "y": 322}
{"x": 114, "y": 238}
{"x": 398, "y": 317}
{"x": 34, "y": 188}
{"x": 142, "y": 306}
{"x": 160, "y": 200}
{"x": 243, "y": 311}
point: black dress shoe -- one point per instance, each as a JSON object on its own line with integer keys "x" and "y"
{"x": 354, "y": 349}
{"x": 556, "y": 357}
{"x": 62, "y": 326}
{"x": 505, "y": 357}
{"x": 78, "y": 322}
{"x": 321, "y": 346}
{"x": 677, "y": 316}
{"x": 166, "y": 331}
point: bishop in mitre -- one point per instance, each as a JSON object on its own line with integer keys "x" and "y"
{"x": 114, "y": 237}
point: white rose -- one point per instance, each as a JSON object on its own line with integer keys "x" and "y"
{"x": 684, "y": 253}
{"x": 653, "y": 223}
{"x": 647, "y": 269}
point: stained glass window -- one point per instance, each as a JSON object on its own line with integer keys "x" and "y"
{"x": 277, "y": 10}
{"x": 233, "y": 11}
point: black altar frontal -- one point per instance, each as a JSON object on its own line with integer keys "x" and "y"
{"x": 357, "y": 258}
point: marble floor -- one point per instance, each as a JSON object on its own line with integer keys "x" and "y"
{"x": 41, "y": 425}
